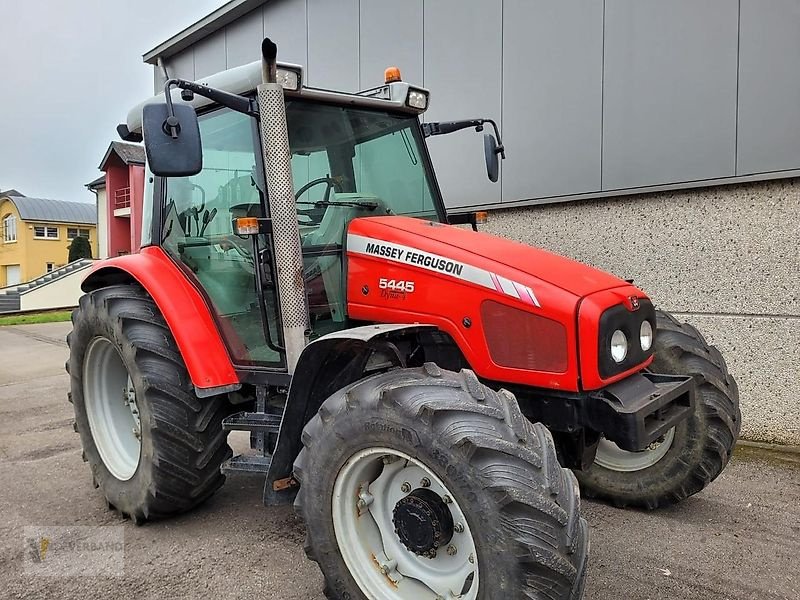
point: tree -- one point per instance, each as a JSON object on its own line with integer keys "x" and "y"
{"x": 79, "y": 248}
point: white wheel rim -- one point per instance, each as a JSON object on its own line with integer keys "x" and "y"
{"x": 367, "y": 488}
{"x": 111, "y": 409}
{"x": 612, "y": 457}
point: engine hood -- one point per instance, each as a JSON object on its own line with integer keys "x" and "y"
{"x": 564, "y": 273}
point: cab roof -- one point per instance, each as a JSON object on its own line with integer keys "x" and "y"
{"x": 246, "y": 78}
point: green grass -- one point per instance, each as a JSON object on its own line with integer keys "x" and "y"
{"x": 53, "y": 316}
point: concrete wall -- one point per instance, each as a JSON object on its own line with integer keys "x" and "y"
{"x": 60, "y": 293}
{"x": 726, "y": 259}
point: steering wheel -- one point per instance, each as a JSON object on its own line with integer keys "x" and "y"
{"x": 316, "y": 213}
{"x": 330, "y": 181}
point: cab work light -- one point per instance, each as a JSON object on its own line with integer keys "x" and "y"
{"x": 417, "y": 99}
{"x": 288, "y": 78}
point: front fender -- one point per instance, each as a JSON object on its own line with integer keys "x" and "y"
{"x": 328, "y": 364}
{"x": 184, "y": 309}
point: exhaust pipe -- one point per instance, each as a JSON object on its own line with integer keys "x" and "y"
{"x": 283, "y": 211}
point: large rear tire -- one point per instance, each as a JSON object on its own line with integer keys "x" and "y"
{"x": 689, "y": 456}
{"x": 154, "y": 448}
{"x": 423, "y": 483}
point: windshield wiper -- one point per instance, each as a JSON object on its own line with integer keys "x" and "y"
{"x": 364, "y": 204}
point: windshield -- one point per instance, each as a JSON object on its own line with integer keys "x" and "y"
{"x": 347, "y": 157}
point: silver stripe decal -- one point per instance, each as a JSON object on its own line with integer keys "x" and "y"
{"x": 508, "y": 286}
{"x": 390, "y": 251}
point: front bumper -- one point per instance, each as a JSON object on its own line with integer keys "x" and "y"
{"x": 635, "y": 412}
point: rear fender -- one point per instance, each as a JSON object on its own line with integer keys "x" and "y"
{"x": 184, "y": 310}
{"x": 326, "y": 365}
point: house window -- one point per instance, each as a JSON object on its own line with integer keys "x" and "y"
{"x": 73, "y": 232}
{"x": 10, "y": 229}
{"x": 50, "y": 267}
{"x": 43, "y": 232}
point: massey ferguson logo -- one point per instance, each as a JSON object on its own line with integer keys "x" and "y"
{"x": 415, "y": 258}
{"x": 634, "y": 302}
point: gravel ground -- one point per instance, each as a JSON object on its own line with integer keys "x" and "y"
{"x": 739, "y": 539}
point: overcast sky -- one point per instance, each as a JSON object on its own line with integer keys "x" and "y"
{"x": 69, "y": 72}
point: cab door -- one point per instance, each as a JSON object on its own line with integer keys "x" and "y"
{"x": 197, "y": 232}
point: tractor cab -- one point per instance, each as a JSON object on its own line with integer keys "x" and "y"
{"x": 351, "y": 156}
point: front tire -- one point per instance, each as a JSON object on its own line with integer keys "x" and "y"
{"x": 423, "y": 483}
{"x": 154, "y": 447}
{"x": 692, "y": 454}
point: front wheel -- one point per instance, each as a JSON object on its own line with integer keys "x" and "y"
{"x": 692, "y": 454}
{"x": 422, "y": 483}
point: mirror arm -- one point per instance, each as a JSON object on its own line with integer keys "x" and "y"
{"x": 445, "y": 127}
{"x": 171, "y": 126}
{"x": 235, "y": 102}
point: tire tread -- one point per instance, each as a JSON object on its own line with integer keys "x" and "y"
{"x": 537, "y": 500}
{"x": 188, "y": 441}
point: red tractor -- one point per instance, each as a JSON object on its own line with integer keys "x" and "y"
{"x": 419, "y": 390}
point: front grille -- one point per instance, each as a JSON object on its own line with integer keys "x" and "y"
{"x": 629, "y": 322}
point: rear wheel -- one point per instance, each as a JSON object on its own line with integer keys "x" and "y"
{"x": 154, "y": 448}
{"x": 691, "y": 455}
{"x": 422, "y": 483}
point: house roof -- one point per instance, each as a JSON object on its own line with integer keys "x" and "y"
{"x": 130, "y": 154}
{"x": 11, "y": 192}
{"x": 54, "y": 211}
{"x": 224, "y": 15}
{"x": 97, "y": 183}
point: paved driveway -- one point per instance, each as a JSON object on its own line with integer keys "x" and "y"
{"x": 738, "y": 539}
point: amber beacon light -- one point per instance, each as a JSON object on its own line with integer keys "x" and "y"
{"x": 392, "y": 74}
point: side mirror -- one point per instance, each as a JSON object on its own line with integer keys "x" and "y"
{"x": 172, "y": 142}
{"x": 490, "y": 152}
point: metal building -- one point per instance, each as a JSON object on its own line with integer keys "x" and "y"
{"x": 618, "y": 117}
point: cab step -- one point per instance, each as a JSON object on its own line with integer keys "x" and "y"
{"x": 246, "y": 463}
{"x": 257, "y": 422}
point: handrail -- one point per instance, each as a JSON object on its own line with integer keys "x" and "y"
{"x": 122, "y": 198}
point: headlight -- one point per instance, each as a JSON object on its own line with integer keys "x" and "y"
{"x": 646, "y": 335}
{"x": 619, "y": 346}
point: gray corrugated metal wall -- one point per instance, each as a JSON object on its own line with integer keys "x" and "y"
{"x": 592, "y": 96}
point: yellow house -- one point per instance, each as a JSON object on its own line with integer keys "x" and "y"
{"x": 35, "y": 234}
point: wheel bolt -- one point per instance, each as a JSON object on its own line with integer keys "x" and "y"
{"x": 365, "y": 499}
{"x": 405, "y": 488}
{"x": 452, "y": 550}
{"x": 388, "y": 566}
{"x": 447, "y": 500}
{"x": 471, "y": 558}
{"x": 425, "y": 482}
{"x": 458, "y": 528}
